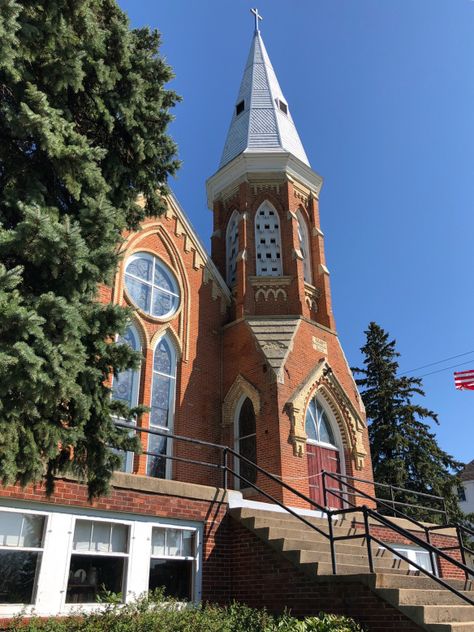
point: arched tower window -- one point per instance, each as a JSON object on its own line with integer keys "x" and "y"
{"x": 267, "y": 241}
{"x": 232, "y": 248}
{"x": 303, "y": 237}
{"x": 163, "y": 393}
{"x": 246, "y": 442}
{"x": 125, "y": 387}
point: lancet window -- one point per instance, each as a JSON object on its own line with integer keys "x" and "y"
{"x": 267, "y": 241}
{"x": 303, "y": 237}
{"x": 163, "y": 394}
{"x": 232, "y": 247}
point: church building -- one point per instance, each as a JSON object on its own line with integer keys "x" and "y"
{"x": 249, "y": 392}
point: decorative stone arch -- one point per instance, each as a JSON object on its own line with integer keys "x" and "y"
{"x": 168, "y": 330}
{"x": 241, "y": 388}
{"x": 323, "y": 382}
{"x": 176, "y": 263}
{"x": 137, "y": 322}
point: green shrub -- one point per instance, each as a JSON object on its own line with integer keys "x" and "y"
{"x": 152, "y": 613}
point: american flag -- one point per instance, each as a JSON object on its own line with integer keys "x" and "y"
{"x": 464, "y": 380}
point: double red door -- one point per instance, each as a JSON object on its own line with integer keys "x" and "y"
{"x": 321, "y": 458}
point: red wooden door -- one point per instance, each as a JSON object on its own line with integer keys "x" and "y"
{"x": 320, "y": 459}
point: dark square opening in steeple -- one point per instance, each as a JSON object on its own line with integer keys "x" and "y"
{"x": 283, "y": 106}
{"x": 239, "y": 108}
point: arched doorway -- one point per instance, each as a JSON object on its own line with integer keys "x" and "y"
{"x": 245, "y": 442}
{"x": 323, "y": 453}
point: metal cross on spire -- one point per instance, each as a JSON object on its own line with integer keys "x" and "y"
{"x": 257, "y": 18}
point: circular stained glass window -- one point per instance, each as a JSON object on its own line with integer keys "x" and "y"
{"x": 151, "y": 285}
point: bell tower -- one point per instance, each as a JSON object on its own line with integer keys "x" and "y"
{"x": 280, "y": 347}
{"x": 267, "y": 241}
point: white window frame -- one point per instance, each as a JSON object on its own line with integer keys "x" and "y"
{"x": 171, "y": 401}
{"x": 52, "y": 580}
{"x": 410, "y": 552}
{"x": 176, "y": 294}
{"x": 261, "y": 249}
{"x": 17, "y": 608}
{"x": 195, "y": 559}
{"x": 73, "y": 551}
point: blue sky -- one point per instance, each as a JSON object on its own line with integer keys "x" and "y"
{"x": 382, "y": 94}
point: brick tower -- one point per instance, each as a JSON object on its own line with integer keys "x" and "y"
{"x": 290, "y": 401}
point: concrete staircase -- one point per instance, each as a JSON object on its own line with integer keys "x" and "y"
{"x": 419, "y": 598}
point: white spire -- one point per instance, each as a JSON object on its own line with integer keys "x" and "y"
{"x": 262, "y": 120}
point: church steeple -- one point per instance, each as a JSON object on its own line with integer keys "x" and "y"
{"x": 261, "y": 121}
{"x": 267, "y": 242}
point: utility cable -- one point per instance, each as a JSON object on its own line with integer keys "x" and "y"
{"x": 425, "y": 366}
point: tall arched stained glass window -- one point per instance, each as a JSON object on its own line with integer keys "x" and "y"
{"x": 267, "y": 241}
{"x": 303, "y": 237}
{"x": 163, "y": 392}
{"x": 232, "y": 247}
{"x": 125, "y": 387}
{"x": 317, "y": 425}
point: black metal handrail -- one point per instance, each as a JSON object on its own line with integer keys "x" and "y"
{"x": 427, "y": 529}
{"x": 331, "y": 514}
{"x": 391, "y": 502}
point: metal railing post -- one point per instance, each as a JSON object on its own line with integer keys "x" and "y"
{"x": 369, "y": 539}
{"x": 332, "y": 544}
{"x": 432, "y": 558}
{"x": 461, "y": 548}
{"x": 325, "y": 493}
{"x": 225, "y": 468}
{"x": 392, "y": 496}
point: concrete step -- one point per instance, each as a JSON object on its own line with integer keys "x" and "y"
{"x": 440, "y": 614}
{"x": 303, "y": 556}
{"x": 420, "y": 582}
{"x": 417, "y": 597}
{"x": 358, "y": 548}
{"x": 277, "y": 519}
{"x": 450, "y": 627}
{"x": 325, "y": 568}
{"x": 295, "y": 526}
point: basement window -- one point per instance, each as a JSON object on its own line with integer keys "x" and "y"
{"x": 239, "y": 108}
{"x": 21, "y": 550}
{"x": 98, "y": 560}
{"x": 173, "y": 562}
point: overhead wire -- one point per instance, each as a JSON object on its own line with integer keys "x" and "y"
{"x": 425, "y": 366}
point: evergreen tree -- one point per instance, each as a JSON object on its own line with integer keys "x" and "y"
{"x": 405, "y": 452}
{"x": 83, "y": 120}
